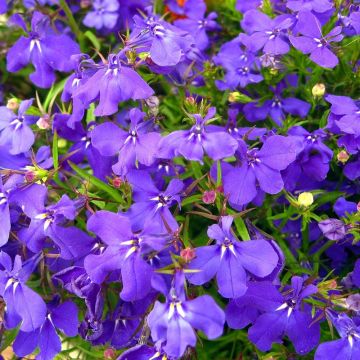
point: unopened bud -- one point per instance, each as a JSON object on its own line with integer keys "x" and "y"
{"x": 187, "y": 254}
{"x": 153, "y": 103}
{"x": 44, "y": 122}
{"x": 109, "y": 354}
{"x": 318, "y": 90}
{"x": 239, "y": 98}
{"x": 12, "y": 104}
{"x": 85, "y": 4}
{"x": 305, "y": 199}
{"x": 358, "y": 206}
{"x": 117, "y": 182}
{"x": 30, "y": 176}
{"x": 62, "y": 143}
{"x": 343, "y": 156}
{"x": 209, "y": 197}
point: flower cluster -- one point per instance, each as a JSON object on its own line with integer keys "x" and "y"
{"x": 179, "y": 179}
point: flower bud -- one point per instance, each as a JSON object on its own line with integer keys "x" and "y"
{"x": 153, "y": 103}
{"x": 343, "y": 156}
{"x": 305, "y": 199}
{"x": 318, "y": 90}
{"x": 12, "y": 104}
{"x": 109, "y": 354}
{"x": 190, "y": 100}
{"x": 237, "y": 97}
{"x": 209, "y": 197}
{"x": 333, "y": 229}
{"x": 85, "y": 4}
{"x": 30, "y": 176}
{"x": 358, "y": 206}
{"x": 116, "y": 182}
{"x": 62, "y": 143}
{"x": 44, "y": 122}
{"x": 187, "y": 254}
{"x": 353, "y": 302}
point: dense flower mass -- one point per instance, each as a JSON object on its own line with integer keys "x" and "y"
{"x": 179, "y": 179}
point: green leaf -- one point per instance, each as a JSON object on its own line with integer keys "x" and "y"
{"x": 53, "y": 93}
{"x": 241, "y": 228}
{"x": 97, "y": 183}
{"x": 93, "y": 39}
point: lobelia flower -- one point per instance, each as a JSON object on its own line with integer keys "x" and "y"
{"x": 144, "y": 352}
{"x": 48, "y": 222}
{"x": 137, "y": 145}
{"x": 351, "y": 22}
{"x": 259, "y": 167}
{"x": 277, "y": 107}
{"x": 110, "y": 84}
{"x": 230, "y": 256}
{"x": 192, "y": 144}
{"x": 333, "y": 229}
{"x": 22, "y": 304}
{"x": 125, "y": 251}
{"x": 346, "y": 348}
{"x": 197, "y": 24}
{"x": 266, "y": 33}
{"x": 244, "y": 6}
{"x": 241, "y": 65}
{"x": 313, "y": 42}
{"x": 63, "y": 317}
{"x": 45, "y": 49}
{"x": 318, "y": 6}
{"x": 15, "y": 131}
{"x": 165, "y": 43}
{"x": 104, "y": 14}
{"x": 175, "y": 320}
{"x": 151, "y": 206}
{"x": 281, "y": 315}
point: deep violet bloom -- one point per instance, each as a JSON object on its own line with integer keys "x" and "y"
{"x": 266, "y": 33}
{"x": 313, "y": 42}
{"x": 45, "y": 49}
{"x": 63, "y": 317}
{"x": 346, "y": 348}
{"x": 144, "y": 352}
{"x": 49, "y": 222}
{"x": 175, "y": 320}
{"x": 281, "y": 314}
{"x": 22, "y": 304}
{"x": 151, "y": 205}
{"x": 110, "y": 84}
{"x": 15, "y": 131}
{"x": 259, "y": 166}
{"x": 231, "y": 256}
{"x": 196, "y": 23}
{"x": 124, "y": 251}
{"x": 333, "y": 229}
{"x": 104, "y": 14}
{"x": 278, "y": 107}
{"x": 191, "y": 144}
{"x": 137, "y": 145}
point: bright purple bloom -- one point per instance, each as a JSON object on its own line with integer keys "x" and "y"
{"x": 63, "y": 317}
{"x": 259, "y": 166}
{"x": 44, "y": 48}
{"x": 124, "y": 251}
{"x": 313, "y": 42}
{"x": 175, "y": 320}
{"x": 196, "y": 23}
{"x": 266, "y": 33}
{"x": 346, "y": 348}
{"x": 15, "y": 131}
{"x": 22, "y": 304}
{"x": 317, "y": 6}
{"x": 103, "y": 15}
{"x": 230, "y": 256}
{"x": 151, "y": 206}
{"x": 137, "y": 145}
{"x": 110, "y": 84}
{"x": 191, "y": 144}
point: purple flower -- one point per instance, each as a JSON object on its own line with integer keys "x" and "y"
{"x": 259, "y": 166}
{"x": 124, "y": 251}
{"x": 230, "y": 256}
{"x": 111, "y": 84}
{"x": 281, "y": 314}
{"x": 63, "y": 317}
{"x": 196, "y": 23}
{"x": 318, "y": 6}
{"x": 45, "y": 49}
{"x": 138, "y": 145}
{"x": 333, "y": 229}
{"x": 192, "y": 144}
{"x": 104, "y": 14}
{"x": 14, "y": 128}
{"x": 346, "y": 348}
{"x": 313, "y": 42}
{"x": 22, "y": 304}
{"x": 266, "y": 33}
{"x": 174, "y": 321}
{"x": 151, "y": 206}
